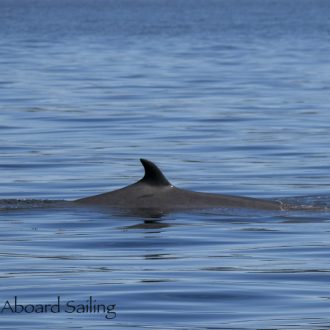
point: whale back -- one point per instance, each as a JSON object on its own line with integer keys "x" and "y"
{"x": 154, "y": 191}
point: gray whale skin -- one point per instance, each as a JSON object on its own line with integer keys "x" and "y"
{"x": 155, "y": 192}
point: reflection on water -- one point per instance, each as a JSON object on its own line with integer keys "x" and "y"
{"x": 219, "y": 267}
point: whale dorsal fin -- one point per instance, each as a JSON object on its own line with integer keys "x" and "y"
{"x": 153, "y": 175}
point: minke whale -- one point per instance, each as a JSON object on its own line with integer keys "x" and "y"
{"x": 155, "y": 192}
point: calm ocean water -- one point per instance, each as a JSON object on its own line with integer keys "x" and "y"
{"x": 225, "y": 96}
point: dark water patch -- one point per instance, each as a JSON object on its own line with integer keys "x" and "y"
{"x": 19, "y": 204}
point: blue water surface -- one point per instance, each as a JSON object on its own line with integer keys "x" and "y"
{"x": 225, "y": 96}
